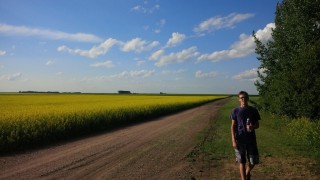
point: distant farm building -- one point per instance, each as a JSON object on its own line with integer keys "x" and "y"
{"x": 124, "y": 92}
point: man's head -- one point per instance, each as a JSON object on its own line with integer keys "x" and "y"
{"x": 243, "y": 98}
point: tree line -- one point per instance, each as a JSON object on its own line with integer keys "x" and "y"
{"x": 290, "y": 63}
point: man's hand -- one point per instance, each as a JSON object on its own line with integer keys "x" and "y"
{"x": 234, "y": 144}
{"x": 251, "y": 127}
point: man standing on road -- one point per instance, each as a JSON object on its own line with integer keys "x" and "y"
{"x": 245, "y": 119}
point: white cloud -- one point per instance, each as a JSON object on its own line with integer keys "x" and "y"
{"x": 94, "y": 52}
{"x": 167, "y": 72}
{"x": 156, "y": 55}
{"x": 249, "y": 75}
{"x": 59, "y": 73}
{"x": 139, "y": 63}
{"x": 162, "y": 22}
{"x": 2, "y": 53}
{"x": 50, "y": 63}
{"x": 242, "y": 48}
{"x": 142, "y": 73}
{"x": 160, "y": 25}
{"x": 11, "y": 77}
{"x": 178, "y": 57}
{"x": 176, "y": 39}
{"x": 123, "y": 75}
{"x": 200, "y": 74}
{"x": 177, "y": 78}
{"x": 216, "y": 23}
{"x": 138, "y": 45}
{"x": 143, "y": 9}
{"x": 106, "y": 64}
{"x": 157, "y": 31}
{"x": 49, "y": 34}
{"x": 264, "y": 35}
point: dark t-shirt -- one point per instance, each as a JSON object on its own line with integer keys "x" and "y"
{"x": 240, "y": 116}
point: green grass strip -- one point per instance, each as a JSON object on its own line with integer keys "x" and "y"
{"x": 273, "y": 137}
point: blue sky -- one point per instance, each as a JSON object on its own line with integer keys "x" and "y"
{"x": 151, "y": 46}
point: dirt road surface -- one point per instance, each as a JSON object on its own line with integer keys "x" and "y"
{"x": 156, "y": 149}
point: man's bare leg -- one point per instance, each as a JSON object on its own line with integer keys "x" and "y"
{"x": 248, "y": 170}
{"x": 242, "y": 167}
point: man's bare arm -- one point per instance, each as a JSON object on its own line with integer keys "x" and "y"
{"x": 234, "y": 143}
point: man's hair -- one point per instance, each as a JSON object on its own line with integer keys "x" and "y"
{"x": 243, "y": 93}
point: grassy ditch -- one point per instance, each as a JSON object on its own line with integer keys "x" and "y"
{"x": 286, "y": 151}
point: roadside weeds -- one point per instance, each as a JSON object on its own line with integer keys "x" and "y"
{"x": 213, "y": 158}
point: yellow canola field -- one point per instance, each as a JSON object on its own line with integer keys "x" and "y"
{"x": 34, "y": 119}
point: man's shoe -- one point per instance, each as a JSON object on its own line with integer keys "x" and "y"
{"x": 248, "y": 176}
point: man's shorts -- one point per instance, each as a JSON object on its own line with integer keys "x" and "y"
{"x": 247, "y": 151}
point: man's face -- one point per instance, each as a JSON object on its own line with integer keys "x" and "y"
{"x": 243, "y": 99}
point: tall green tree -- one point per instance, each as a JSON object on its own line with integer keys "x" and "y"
{"x": 290, "y": 62}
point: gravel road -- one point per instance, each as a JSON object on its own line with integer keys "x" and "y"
{"x": 156, "y": 149}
